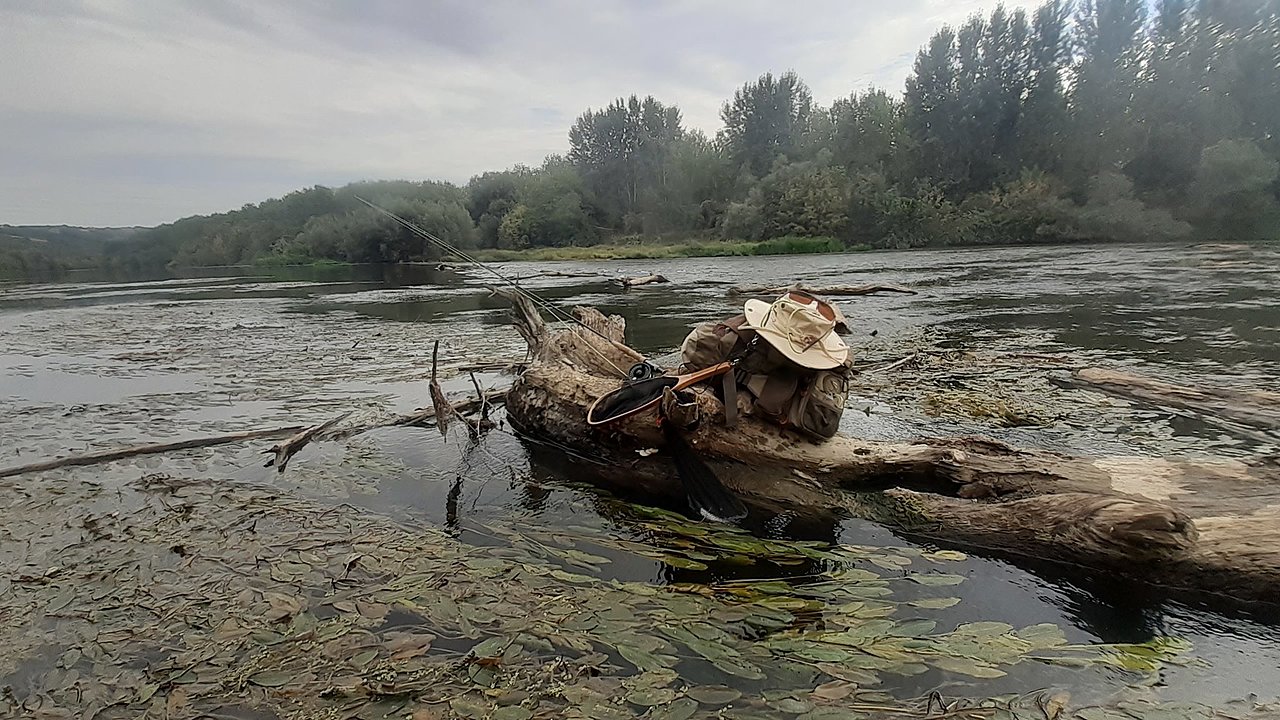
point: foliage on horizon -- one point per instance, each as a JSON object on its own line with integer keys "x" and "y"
{"x": 1094, "y": 120}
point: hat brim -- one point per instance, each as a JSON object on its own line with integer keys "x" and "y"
{"x": 829, "y": 352}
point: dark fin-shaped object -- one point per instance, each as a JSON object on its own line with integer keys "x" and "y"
{"x": 707, "y": 495}
{"x": 629, "y": 399}
{"x": 641, "y": 395}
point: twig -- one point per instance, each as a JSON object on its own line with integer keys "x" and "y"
{"x": 484, "y": 406}
{"x": 121, "y": 453}
{"x": 897, "y": 363}
{"x": 424, "y": 417}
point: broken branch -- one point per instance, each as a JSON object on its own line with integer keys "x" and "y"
{"x": 287, "y": 449}
{"x": 438, "y": 402}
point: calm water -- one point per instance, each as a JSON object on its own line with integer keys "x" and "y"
{"x": 93, "y": 362}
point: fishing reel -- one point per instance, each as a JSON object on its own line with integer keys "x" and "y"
{"x": 643, "y": 371}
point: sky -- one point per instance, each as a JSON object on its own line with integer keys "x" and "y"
{"x": 138, "y": 112}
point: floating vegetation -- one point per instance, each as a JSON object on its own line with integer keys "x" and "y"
{"x": 198, "y": 599}
{"x": 164, "y": 596}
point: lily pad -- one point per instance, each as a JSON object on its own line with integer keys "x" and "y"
{"x": 271, "y": 678}
{"x": 936, "y": 579}
{"x": 1044, "y": 635}
{"x": 834, "y": 690}
{"x": 713, "y": 695}
{"x": 935, "y": 603}
{"x": 676, "y": 561}
{"x": 512, "y": 712}
{"x": 967, "y": 666}
{"x": 648, "y": 697}
{"x": 853, "y": 675}
{"x": 645, "y": 660}
{"x": 792, "y": 706}
{"x": 681, "y": 709}
{"x": 61, "y": 600}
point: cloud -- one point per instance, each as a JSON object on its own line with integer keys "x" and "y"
{"x": 139, "y": 113}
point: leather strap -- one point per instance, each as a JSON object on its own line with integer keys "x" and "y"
{"x": 729, "y": 383}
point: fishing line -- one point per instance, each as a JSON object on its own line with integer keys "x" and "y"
{"x": 557, "y": 313}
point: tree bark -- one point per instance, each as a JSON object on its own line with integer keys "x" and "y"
{"x": 1201, "y": 525}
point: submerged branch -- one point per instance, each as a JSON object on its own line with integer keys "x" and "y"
{"x": 298, "y": 436}
{"x": 103, "y": 456}
{"x": 828, "y": 290}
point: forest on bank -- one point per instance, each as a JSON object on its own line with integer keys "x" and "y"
{"x": 1094, "y": 120}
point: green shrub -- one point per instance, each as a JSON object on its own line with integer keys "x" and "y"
{"x": 793, "y": 245}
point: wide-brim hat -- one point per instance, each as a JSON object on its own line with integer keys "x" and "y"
{"x": 801, "y": 327}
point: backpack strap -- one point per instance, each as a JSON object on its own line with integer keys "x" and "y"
{"x": 729, "y": 386}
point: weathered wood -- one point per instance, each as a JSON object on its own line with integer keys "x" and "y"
{"x": 827, "y": 290}
{"x": 630, "y": 282}
{"x": 1209, "y": 525}
{"x": 104, "y": 456}
{"x": 1256, "y": 408}
{"x": 295, "y": 433}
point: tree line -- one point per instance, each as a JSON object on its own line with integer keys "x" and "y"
{"x": 1094, "y": 120}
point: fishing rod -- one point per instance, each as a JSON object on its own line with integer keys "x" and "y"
{"x": 705, "y": 491}
{"x": 558, "y": 313}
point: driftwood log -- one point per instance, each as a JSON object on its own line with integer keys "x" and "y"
{"x": 630, "y": 282}
{"x": 1256, "y": 408}
{"x": 1203, "y": 525}
{"x": 826, "y": 290}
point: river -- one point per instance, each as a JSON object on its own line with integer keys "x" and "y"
{"x": 94, "y": 361}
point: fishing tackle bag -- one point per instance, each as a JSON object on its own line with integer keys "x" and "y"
{"x": 781, "y": 392}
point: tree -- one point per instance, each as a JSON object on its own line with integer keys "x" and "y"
{"x": 1042, "y": 133}
{"x": 1108, "y": 38}
{"x": 490, "y": 196}
{"x": 806, "y": 199}
{"x": 868, "y": 133}
{"x": 766, "y": 118}
{"x": 623, "y": 153}
{"x": 552, "y": 210}
{"x": 1234, "y": 185}
{"x": 931, "y": 108}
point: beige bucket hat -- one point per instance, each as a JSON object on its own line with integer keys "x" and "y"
{"x": 801, "y": 327}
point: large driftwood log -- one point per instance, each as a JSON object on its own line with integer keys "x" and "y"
{"x": 827, "y": 290}
{"x": 1255, "y": 408}
{"x": 1201, "y": 525}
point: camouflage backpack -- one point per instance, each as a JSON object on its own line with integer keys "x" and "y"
{"x": 780, "y": 391}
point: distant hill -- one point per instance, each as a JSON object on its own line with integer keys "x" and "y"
{"x": 27, "y": 250}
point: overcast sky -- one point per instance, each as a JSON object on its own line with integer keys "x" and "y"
{"x": 137, "y": 112}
